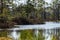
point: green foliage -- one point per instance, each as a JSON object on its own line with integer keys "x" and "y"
{"x": 30, "y": 35}
{"x": 54, "y": 37}
{"x": 3, "y": 33}
{"x": 27, "y": 35}
{"x": 40, "y": 35}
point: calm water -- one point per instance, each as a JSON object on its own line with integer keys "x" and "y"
{"x": 47, "y": 25}
{"x": 47, "y": 29}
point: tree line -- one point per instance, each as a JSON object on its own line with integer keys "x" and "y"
{"x": 30, "y": 13}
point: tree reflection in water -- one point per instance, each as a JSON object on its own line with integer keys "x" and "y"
{"x": 35, "y": 34}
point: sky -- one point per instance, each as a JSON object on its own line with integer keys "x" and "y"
{"x": 18, "y": 2}
{"x": 49, "y": 1}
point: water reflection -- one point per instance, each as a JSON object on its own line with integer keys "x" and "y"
{"x": 48, "y": 31}
{"x": 14, "y": 34}
{"x": 35, "y": 34}
{"x": 47, "y": 35}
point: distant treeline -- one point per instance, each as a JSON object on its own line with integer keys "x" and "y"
{"x": 27, "y": 14}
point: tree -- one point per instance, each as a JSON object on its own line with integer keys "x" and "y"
{"x": 56, "y": 9}
{"x": 1, "y": 8}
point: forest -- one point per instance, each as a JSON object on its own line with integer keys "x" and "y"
{"x": 30, "y": 13}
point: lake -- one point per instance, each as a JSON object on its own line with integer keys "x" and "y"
{"x": 49, "y": 29}
{"x": 47, "y": 25}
